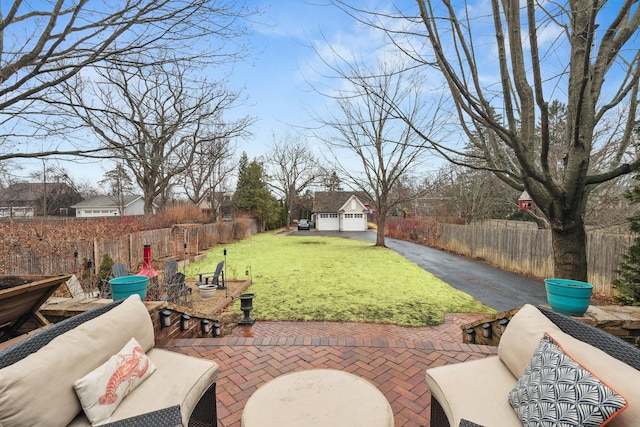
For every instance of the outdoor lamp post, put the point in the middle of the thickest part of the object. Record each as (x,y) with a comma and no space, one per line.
(205,326)
(184,322)
(471,335)
(165,318)
(486,330)
(503,325)
(217,329)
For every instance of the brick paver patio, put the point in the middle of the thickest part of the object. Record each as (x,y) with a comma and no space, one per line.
(393,358)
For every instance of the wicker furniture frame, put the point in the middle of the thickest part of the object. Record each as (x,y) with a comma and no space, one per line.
(203,415)
(610,344)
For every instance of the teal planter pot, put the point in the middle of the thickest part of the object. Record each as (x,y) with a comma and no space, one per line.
(568,297)
(124,286)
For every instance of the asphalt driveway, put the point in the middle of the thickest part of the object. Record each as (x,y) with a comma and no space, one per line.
(499,289)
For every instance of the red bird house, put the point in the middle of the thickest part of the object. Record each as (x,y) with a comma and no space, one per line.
(524,202)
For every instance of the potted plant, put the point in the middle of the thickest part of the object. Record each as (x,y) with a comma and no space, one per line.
(569,297)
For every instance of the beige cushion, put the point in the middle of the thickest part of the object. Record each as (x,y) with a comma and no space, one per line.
(45,379)
(555,389)
(101,390)
(476,390)
(522,336)
(618,375)
(179,380)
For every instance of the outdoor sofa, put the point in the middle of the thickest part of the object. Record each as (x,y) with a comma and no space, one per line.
(37,375)
(479,392)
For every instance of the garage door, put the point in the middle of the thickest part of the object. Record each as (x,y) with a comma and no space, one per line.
(328,222)
(353,222)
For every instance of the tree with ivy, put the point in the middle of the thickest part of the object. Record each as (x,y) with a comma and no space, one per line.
(253,196)
(628,281)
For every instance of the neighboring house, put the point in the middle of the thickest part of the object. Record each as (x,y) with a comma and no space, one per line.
(101,206)
(340,210)
(28,199)
(221,202)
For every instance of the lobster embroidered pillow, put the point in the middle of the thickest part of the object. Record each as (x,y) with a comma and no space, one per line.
(101,390)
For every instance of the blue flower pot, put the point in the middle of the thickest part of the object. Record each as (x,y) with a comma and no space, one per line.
(568,297)
(124,286)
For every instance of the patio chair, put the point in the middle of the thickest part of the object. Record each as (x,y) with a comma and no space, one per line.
(170,272)
(215,276)
(178,292)
(74,287)
(172,287)
(119,270)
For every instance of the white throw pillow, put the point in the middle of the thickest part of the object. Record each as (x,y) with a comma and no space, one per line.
(101,390)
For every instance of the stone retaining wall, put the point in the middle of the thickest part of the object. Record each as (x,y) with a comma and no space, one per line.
(621,321)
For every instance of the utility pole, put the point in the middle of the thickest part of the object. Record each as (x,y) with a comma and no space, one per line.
(44,188)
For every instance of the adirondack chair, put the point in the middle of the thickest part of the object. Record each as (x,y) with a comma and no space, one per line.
(170,272)
(215,277)
(119,270)
(173,287)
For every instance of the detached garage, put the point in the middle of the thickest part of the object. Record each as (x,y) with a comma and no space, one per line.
(339,211)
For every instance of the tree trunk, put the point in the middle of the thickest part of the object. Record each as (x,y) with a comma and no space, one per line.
(569,251)
(148,204)
(380,223)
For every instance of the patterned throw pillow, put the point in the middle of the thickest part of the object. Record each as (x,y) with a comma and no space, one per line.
(555,390)
(101,390)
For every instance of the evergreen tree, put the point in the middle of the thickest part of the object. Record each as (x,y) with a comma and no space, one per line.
(628,282)
(252,194)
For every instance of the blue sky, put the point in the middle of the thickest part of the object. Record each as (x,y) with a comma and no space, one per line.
(286,68)
(277,78)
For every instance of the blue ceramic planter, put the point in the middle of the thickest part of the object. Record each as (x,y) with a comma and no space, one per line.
(568,297)
(124,286)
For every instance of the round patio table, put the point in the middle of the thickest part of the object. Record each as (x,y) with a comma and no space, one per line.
(317,397)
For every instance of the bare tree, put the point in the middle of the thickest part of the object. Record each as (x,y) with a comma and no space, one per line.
(212,167)
(366,125)
(581,51)
(120,184)
(8,170)
(292,168)
(45,43)
(154,119)
(476,194)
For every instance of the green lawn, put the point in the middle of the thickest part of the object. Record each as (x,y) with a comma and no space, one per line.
(335,279)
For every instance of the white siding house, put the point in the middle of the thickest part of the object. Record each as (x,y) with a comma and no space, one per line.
(101,206)
(339,211)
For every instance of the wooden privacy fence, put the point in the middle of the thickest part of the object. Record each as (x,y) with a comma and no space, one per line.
(528,251)
(179,242)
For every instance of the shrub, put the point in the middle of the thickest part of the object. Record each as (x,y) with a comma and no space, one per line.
(104,271)
(628,282)
(179,214)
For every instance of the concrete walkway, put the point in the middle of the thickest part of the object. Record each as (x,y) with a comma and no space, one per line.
(392,358)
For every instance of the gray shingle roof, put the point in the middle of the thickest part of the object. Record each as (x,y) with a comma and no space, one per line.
(23,192)
(105,202)
(332,201)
